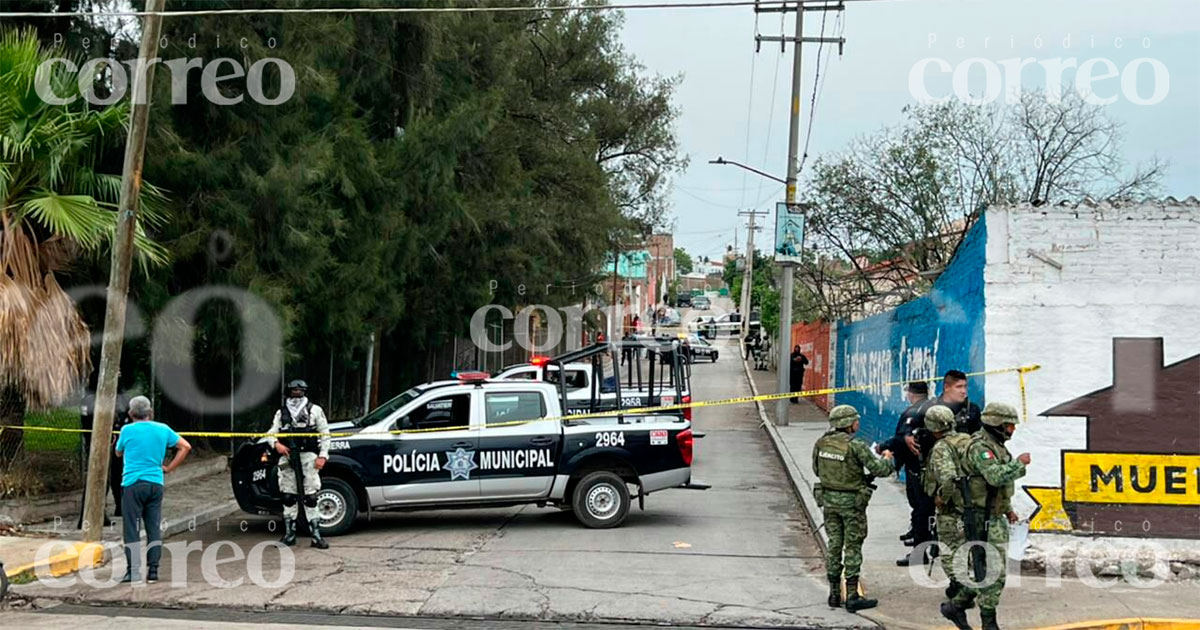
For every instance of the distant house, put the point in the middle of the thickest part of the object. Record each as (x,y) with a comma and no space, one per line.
(710,268)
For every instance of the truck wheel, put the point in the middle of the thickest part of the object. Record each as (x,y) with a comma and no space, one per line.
(338,506)
(601,500)
(714,357)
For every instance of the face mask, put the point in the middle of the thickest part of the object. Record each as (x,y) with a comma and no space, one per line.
(997,432)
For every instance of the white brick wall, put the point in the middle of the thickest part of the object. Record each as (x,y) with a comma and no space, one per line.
(1127,270)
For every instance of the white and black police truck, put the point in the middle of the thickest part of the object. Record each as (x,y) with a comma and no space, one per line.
(478,442)
(653,371)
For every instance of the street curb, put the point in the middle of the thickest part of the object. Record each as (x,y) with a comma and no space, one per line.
(80,555)
(202,517)
(808,502)
(1130,623)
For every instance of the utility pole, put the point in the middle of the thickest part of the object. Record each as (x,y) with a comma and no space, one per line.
(118,281)
(785,315)
(748,277)
(613,311)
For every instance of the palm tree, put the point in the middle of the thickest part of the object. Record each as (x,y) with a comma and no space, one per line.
(54,207)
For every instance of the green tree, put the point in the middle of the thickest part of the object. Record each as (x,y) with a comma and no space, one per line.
(424,167)
(54,206)
(890,210)
(683,261)
(764,295)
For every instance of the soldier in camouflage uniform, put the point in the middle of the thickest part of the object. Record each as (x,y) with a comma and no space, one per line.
(991,471)
(838,460)
(942,474)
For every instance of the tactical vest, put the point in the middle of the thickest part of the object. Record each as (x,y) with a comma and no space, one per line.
(303,424)
(836,465)
(978,486)
(958,444)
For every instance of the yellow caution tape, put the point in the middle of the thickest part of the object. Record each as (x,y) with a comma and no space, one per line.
(700,404)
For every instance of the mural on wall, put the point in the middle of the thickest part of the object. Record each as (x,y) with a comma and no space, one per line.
(1139,474)
(920,339)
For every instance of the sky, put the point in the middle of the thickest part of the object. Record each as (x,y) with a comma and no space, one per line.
(733,102)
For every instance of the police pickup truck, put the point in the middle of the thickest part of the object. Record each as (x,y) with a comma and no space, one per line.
(663,378)
(478,442)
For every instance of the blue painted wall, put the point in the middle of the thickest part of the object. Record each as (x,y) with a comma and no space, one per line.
(918,339)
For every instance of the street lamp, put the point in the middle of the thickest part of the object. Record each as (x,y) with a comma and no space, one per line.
(722,161)
(746,288)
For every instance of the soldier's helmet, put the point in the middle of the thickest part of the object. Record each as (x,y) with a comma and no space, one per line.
(298,384)
(842,416)
(939,418)
(997,414)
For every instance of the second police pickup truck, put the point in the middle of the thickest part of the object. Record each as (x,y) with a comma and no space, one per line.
(478,442)
(660,376)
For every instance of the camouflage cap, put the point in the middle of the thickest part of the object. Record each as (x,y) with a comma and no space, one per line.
(842,416)
(996,414)
(939,418)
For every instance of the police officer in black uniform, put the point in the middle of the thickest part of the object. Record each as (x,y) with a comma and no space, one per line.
(116,465)
(907,448)
(302,457)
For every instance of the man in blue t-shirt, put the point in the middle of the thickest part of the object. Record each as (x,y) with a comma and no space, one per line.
(143,445)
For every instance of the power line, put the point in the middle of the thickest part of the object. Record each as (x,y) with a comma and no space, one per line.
(577,8)
(749,111)
(818,85)
(770,110)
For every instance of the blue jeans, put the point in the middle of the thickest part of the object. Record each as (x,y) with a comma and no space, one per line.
(142,501)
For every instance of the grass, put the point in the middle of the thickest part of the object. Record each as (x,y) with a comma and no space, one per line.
(46,441)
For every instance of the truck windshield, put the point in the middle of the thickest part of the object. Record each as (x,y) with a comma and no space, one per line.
(386,409)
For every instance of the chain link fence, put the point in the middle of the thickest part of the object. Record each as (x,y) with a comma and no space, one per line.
(37,463)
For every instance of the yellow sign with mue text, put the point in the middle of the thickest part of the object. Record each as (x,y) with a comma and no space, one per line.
(1131,478)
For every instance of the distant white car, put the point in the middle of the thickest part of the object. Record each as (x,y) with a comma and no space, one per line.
(728,324)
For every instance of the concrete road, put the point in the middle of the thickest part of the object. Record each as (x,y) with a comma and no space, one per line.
(738,554)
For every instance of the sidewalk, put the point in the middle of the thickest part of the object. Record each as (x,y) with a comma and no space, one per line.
(1029,601)
(198,493)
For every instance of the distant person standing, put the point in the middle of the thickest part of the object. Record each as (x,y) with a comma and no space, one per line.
(799,362)
(87,412)
(143,446)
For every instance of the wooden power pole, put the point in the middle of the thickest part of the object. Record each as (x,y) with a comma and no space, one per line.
(118,280)
(785,299)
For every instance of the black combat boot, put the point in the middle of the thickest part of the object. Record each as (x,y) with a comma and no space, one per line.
(988,615)
(955,589)
(835,592)
(957,615)
(289,532)
(317,541)
(855,602)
